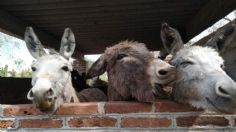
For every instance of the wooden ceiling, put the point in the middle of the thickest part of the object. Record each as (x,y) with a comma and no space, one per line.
(100,23)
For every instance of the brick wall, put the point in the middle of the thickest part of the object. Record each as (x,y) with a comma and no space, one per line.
(115,116)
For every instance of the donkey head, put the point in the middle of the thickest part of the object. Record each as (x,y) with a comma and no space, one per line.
(130,68)
(51,78)
(202,81)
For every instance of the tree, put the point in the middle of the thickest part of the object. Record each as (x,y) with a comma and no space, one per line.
(13,73)
(26,73)
(4,71)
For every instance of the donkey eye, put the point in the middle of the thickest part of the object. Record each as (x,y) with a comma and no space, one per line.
(222,66)
(65,68)
(121,56)
(186,63)
(33,68)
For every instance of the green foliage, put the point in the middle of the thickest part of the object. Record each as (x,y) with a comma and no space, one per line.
(13,73)
(26,73)
(18,61)
(3,71)
(23,73)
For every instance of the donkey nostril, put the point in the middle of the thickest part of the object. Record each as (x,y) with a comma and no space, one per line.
(50,92)
(162,72)
(223,91)
(49,99)
(30,95)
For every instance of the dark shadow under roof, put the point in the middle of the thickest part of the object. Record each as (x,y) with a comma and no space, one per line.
(98,24)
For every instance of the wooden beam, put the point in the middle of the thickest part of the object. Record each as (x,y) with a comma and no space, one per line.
(203,40)
(16,27)
(208,15)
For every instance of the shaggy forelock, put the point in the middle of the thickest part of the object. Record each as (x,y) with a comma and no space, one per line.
(128,77)
(128,45)
(205,54)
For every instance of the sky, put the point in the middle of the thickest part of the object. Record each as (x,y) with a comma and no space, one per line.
(12,50)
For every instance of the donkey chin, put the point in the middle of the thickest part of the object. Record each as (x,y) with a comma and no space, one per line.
(223,105)
(46,104)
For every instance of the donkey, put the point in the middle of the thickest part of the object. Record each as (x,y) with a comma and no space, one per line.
(51,78)
(171,40)
(201,81)
(133,73)
(96,82)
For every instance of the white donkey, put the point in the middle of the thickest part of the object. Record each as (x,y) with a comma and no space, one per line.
(51,79)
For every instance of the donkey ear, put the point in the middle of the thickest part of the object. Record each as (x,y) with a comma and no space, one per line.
(98,68)
(218,41)
(162,55)
(212,44)
(33,44)
(67,43)
(171,39)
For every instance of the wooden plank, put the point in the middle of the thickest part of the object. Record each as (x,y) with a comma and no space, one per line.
(113,15)
(203,40)
(23,2)
(163,8)
(14,90)
(111,20)
(94,4)
(156,22)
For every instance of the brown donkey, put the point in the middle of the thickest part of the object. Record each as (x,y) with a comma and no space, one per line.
(133,72)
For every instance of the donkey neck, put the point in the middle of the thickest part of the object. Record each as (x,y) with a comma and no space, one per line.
(70,94)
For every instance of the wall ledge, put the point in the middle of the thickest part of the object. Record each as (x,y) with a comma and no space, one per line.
(161,115)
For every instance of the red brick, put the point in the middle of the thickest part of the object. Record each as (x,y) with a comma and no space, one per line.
(78,108)
(21,110)
(41,123)
(170,106)
(145,122)
(127,107)
(201,121)
(6,123)
(92,122)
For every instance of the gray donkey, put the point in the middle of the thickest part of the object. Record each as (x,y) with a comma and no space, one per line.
(51,77)
(133,72)
(202,81)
